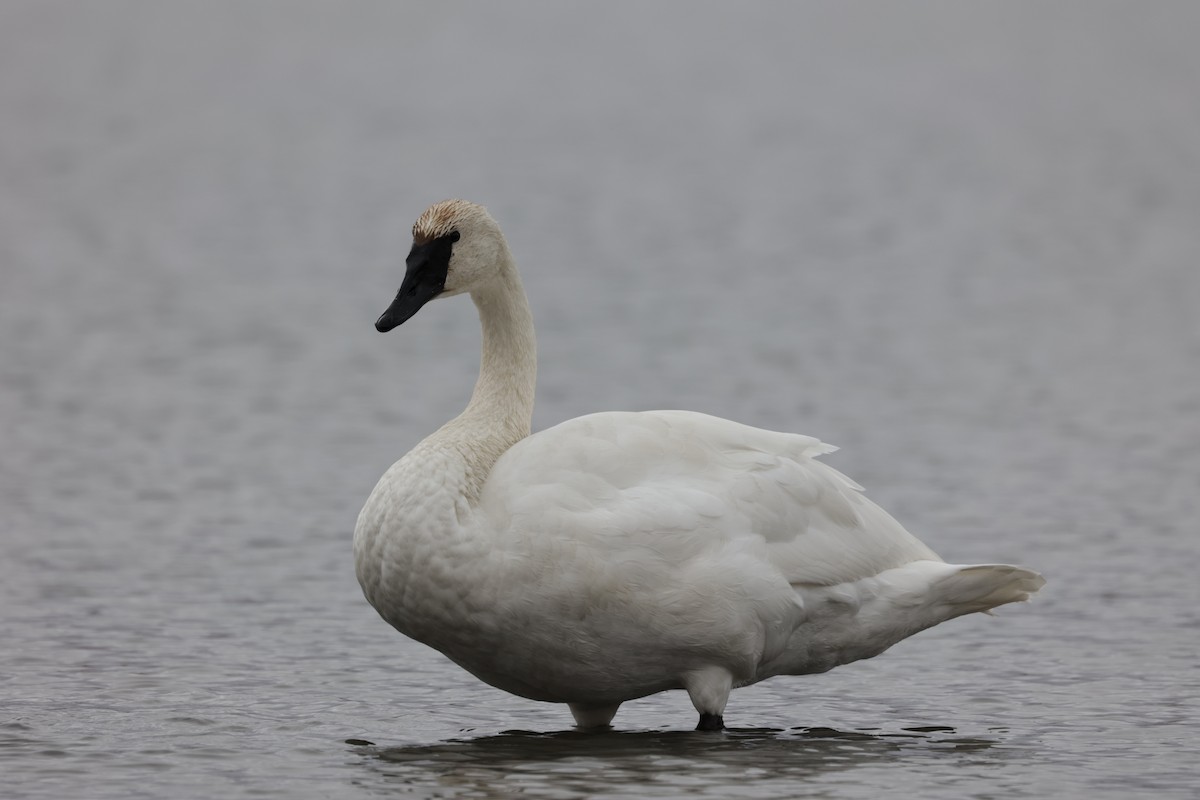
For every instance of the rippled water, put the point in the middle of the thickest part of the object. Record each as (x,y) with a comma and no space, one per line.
(959,241)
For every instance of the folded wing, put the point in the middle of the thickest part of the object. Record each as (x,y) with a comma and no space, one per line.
(672,486)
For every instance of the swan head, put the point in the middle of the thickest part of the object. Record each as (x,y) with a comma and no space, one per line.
(457,247)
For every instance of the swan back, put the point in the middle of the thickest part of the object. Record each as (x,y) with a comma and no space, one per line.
(673,485)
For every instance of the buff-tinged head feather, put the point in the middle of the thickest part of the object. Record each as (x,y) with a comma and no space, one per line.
(442,218)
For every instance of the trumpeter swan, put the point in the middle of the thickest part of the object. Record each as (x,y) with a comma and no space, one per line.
(621,554)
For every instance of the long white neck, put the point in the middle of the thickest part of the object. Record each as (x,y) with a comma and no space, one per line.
(501,409)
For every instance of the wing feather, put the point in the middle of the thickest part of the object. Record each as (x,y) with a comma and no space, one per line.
(675,485)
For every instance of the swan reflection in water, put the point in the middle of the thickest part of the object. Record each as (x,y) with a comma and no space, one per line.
(746,761)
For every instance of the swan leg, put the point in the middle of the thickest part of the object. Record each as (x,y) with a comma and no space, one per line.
(590,716)
(709,690)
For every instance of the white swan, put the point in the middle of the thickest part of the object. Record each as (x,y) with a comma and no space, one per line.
(621,554)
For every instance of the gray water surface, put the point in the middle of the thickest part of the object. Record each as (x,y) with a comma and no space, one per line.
(960,241)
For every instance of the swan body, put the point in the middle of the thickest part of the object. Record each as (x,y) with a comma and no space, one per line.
(621,554)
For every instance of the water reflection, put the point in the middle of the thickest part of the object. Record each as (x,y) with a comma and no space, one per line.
(752,762)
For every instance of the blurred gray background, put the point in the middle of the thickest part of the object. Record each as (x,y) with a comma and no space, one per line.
(959,240)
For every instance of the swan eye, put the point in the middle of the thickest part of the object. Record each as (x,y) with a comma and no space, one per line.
(454,236)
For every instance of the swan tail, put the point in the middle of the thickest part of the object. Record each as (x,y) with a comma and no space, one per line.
(982,587)
(866,617)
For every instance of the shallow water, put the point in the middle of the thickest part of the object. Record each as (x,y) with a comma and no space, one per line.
(959,242)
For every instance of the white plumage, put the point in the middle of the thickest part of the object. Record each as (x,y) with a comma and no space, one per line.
(621,554)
